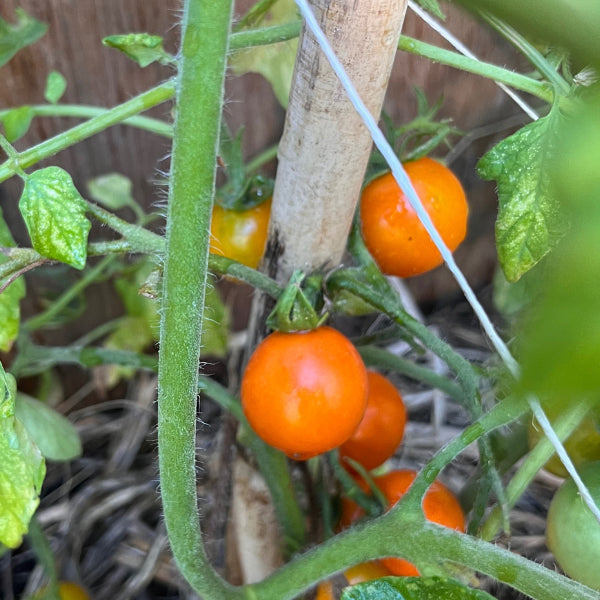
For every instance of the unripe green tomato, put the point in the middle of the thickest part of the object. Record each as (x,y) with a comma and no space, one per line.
(572,531)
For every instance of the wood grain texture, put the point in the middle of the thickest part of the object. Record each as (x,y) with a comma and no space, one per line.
(104,77)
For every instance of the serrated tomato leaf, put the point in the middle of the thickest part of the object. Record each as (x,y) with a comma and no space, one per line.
(54,213)
(17,122)
(27,30)
(141,47)
(10,312)
(529,223)
(53,434)
(22,469)
(413,588)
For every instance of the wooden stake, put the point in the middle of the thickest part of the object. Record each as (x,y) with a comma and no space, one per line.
(325,147)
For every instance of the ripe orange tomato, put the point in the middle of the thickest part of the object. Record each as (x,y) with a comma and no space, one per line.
(305,393)
(439,505)
(240,234)
(366,572)
(382,426)
(325,591)
(392,231)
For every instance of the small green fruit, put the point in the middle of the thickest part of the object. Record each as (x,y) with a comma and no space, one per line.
(572,532)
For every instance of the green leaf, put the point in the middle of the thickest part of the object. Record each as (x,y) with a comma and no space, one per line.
(56,85)
(433,7)
(560,334)
(54,435)
(22,469)
(26,31)
(413,588)
(10,312)
(275,62)
(112,190)
(54,213)
(529,223)
(17,122)
(141,47)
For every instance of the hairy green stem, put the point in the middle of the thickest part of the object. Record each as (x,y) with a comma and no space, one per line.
(42,319)
(83,111)
(265,35)
(199,96)
(453,59)
(80,132)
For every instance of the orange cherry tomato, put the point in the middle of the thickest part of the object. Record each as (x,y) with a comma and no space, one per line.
(366,572)
(305,393)
(325,591)
(392,231)
(440,506)
(382,426)
(240,234)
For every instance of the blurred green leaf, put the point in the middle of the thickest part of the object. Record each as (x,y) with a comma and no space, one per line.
(56,85)
(54,213)
(433,7)
(529,222)
(54,434)
(10,311)
(27,30)
(275,62)
(571,24)
(560,346)
(17,122)
(22,469)
(141,47)
(112,190)
(413,588)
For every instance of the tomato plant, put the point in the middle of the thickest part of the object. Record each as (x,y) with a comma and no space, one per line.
(392,231)
(382,426)
(305,393)
(573,533)
(240,234)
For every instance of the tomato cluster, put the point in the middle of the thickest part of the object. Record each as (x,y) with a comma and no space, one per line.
(306,393)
